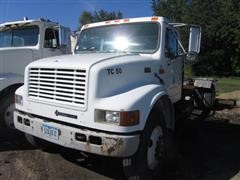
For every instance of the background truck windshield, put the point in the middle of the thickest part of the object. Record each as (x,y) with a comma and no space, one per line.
(18,37)
(132,38)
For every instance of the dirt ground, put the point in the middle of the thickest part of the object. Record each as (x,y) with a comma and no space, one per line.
(235,95)
(208,149)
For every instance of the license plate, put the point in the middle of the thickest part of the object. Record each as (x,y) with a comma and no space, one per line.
(50,131)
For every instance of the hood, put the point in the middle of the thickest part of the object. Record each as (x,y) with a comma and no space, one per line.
(77,60)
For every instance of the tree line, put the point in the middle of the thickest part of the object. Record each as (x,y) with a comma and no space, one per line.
(98,16)
(220,22)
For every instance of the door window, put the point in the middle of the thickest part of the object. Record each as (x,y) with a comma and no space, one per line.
(51,39)
(171,44)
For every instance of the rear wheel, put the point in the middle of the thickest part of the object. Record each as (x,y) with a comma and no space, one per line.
(7,108)
(205,100)
(152,153)
(209,97)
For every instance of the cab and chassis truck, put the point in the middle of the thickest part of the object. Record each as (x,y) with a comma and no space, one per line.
(118,95)
(22,42)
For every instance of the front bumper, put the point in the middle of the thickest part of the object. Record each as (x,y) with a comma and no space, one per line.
(91,141)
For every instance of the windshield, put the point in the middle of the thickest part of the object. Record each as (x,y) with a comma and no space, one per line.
(19,37)
(132,38)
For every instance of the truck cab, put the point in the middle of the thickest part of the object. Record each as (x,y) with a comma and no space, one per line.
(114,96)
(22,42)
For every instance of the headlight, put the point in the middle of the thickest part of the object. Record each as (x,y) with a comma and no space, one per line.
(112,117)
(121,118)
(19,100)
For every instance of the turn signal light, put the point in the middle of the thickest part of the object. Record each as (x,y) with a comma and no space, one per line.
(129,118)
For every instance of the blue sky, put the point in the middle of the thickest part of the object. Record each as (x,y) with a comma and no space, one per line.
(67,12)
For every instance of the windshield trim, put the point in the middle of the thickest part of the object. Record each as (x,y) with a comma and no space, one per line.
(128,52)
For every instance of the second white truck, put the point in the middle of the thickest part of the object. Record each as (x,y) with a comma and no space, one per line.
(22,42)
(119,95)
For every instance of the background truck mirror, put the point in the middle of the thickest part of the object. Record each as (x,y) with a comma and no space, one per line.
(64,33)
(194,39)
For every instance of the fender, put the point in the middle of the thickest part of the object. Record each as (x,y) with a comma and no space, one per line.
(142,98)
(162,104)
(9,79)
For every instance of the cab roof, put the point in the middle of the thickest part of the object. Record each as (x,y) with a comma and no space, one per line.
(123,21)
(26,22)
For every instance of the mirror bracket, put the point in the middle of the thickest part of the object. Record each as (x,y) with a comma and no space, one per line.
(191,57)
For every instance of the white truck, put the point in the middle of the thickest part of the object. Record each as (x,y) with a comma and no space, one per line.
(22,42)
(118,95)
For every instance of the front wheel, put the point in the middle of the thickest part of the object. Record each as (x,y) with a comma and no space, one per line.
(7,108)
(152,153)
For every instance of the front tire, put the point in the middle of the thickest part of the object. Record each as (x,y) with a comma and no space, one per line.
(7,108)
(152,153)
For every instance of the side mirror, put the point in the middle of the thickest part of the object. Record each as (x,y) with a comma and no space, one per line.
(194,39)
(64,36)
(191,57)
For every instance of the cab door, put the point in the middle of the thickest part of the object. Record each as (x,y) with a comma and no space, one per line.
(174,61)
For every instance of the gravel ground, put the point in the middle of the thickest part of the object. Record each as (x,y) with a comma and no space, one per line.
(208,149)
(19,160)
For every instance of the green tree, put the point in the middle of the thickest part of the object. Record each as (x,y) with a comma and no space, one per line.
(104,15)
(85,18)
(98,16)
(174,10)
(221,36)
(220,22)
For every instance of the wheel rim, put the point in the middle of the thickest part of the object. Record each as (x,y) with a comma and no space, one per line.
(155,147)
(8,115)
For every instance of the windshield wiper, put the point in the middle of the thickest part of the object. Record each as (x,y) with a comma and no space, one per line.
(118,51)
(85,49)
(90,48)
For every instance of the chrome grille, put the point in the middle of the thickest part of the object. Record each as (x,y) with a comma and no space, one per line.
(62,85)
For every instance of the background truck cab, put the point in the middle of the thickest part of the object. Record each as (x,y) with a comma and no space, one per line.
(22,42)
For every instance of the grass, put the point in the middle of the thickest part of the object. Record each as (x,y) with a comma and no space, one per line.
(227,84)
(224,84)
